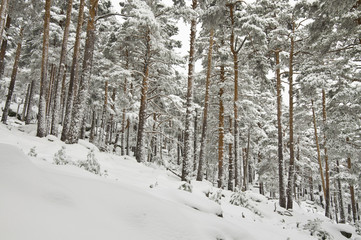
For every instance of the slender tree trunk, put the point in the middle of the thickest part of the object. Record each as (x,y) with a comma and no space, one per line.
(82,96)
(340,195)
(245,163)
(3,10)
(352,189)
(205,109)
(140,151)
(73,75)
(234,52)
(128,137)
(311,185)
(63,96)
(195,140)
(4,45)
(13,78)
(281,186)
(221,130)
(327,195)
(61,72)
(104,114)
(230,160)
(31,103)
(41,131)
(23,115)
(318,151)
(92,130)
(187,134)
(291,169)
(122,136)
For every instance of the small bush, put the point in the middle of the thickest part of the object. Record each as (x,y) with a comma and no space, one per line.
(32,152)
(60,157)
(216,196)
(239,198)
(186,187)
(314,226)
(90,164)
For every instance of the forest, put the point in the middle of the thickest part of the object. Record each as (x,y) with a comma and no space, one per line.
(268,93)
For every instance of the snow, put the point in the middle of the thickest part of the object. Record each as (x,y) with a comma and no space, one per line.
(41,200)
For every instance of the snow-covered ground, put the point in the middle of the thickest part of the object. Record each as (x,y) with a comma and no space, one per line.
(41,200)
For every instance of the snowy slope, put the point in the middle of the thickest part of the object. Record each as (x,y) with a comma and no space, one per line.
(40,200)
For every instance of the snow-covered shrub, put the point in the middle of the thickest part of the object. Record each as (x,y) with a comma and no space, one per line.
(186,187)
(314,226)
(216,196)
(60,157)
(32,152)
(90,164)
(239,198)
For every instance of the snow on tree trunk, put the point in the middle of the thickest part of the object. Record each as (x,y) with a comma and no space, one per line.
(73,75)
(61,72)
(3,10)
(82,96)
(205,108)
(281,182)
(186,168)
(327,172)
(221,130)
(140,150)
(41,131)
(4,45)
(291,169)
(13,78)
(31,103)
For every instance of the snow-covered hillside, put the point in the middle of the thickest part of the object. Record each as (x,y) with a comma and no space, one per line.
(41,200)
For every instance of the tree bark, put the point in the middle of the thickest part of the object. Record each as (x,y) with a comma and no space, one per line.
(281,186)
(235,97)
(230,160)
(221,129)
(340,195)
(140,151)
(4,45)
(352,189)
(187,133)
(318,151)
(61,72)
(82,96)
(41,131)
(291,169)
(23,115)
(31,103)
(13,78)
(327,195)
(205,109)
(195,140)
(73,75)
(3,10)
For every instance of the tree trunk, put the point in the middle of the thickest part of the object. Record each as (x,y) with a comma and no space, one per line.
(82,96)
(340,195)
(205,109)
(63,96)
(187,134)
(140,151)
(23,115)
(245,163)
(31,103)
(122,136)
(73,75)
(128,136)
(4,45)
(327,195)
(230,160)
(281,182)
(352,190)
(13,78)
(3,10)
(61,72)
(291,169)
(318,150)
(92,130)
(41,131)
(195,140)
(221,130)
(234,52)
